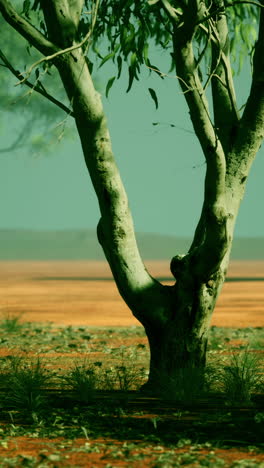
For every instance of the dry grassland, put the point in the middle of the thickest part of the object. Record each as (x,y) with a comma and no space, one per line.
(82,292)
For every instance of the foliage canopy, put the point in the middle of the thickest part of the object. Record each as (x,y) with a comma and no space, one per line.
(129,33)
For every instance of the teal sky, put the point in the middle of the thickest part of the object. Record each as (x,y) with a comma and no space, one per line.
(162,168)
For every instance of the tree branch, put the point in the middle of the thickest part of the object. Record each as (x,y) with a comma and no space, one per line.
(224,100)
(214,196)
(192,12)
(250,132)
(26,29)
(173,14)
(144,295)
(38,87)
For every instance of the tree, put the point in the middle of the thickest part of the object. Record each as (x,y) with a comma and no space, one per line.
(199,37)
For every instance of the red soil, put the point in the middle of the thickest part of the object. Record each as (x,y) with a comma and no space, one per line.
(74,453)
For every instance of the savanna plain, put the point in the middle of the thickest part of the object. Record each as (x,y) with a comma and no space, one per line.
(73,359)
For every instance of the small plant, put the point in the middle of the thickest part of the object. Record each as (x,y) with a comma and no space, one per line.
(26,381)
(10,323)
(242,377)
(129,377)
(107,379)
(82,382)
(123,376)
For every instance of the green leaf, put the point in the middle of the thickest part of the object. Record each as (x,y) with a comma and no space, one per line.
(36,5)
(109,85)
(96,50)
(133,60)
(26,7)
(119,65)
(131,74)
(145,52)
(42,25)
(109,56)
(106,58)
(129,40)
(154,97)
(90,67)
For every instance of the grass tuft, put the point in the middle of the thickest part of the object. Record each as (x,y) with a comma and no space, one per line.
(242,378)
(123,375)
(82,382)
(11,323)
(25,381)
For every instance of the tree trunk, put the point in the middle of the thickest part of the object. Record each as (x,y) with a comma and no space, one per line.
(178,347)
(174,359)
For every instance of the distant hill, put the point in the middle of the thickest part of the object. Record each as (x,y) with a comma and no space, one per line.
(83,245)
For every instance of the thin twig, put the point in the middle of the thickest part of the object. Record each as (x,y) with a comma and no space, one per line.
(174,76)
(219,79)
(213,29)
(38,87)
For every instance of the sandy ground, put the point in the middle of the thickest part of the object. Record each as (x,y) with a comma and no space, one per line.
(82,293)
